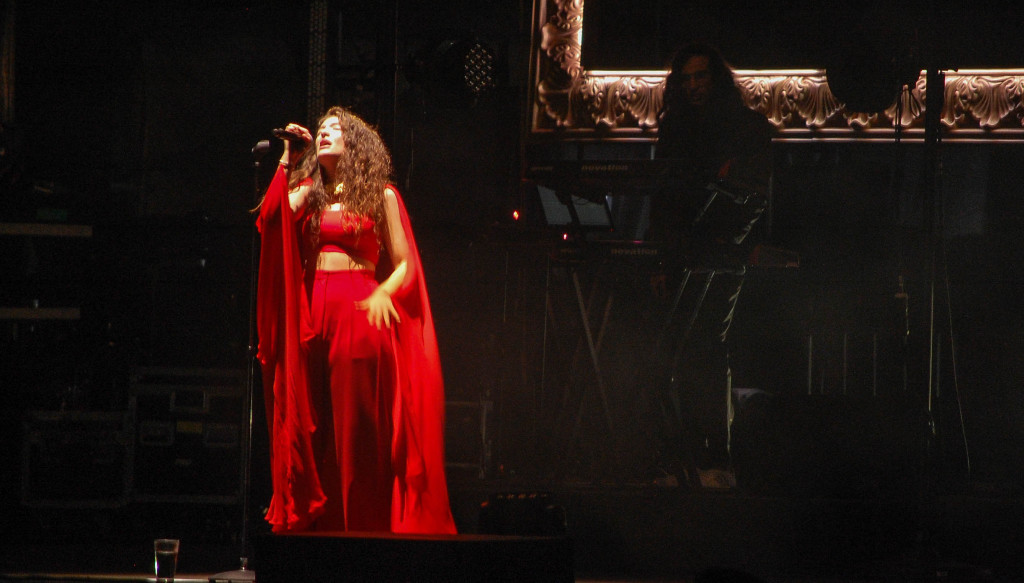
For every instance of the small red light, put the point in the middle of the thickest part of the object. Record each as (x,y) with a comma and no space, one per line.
(515,215)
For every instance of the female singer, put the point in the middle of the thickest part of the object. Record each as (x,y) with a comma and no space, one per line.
(352,379)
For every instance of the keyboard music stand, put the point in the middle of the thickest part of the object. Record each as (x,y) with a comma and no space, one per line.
(577,217)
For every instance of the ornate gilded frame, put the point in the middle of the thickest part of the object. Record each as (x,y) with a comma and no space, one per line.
(569,102)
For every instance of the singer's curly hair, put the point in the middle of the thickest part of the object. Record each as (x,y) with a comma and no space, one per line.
(364,167)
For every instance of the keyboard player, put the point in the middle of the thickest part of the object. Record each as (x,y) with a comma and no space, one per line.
(706,217)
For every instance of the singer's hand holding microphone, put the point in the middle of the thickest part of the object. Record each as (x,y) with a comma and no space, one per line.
(296,140)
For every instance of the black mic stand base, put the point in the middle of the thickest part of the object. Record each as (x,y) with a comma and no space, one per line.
(237,576)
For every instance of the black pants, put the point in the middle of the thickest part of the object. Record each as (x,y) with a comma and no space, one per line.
(690,366)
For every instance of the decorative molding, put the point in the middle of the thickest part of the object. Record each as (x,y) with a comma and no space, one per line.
(572,103)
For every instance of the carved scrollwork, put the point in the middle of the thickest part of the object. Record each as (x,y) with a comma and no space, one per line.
(909,107)
(979,105)
(612,101)
(790,99)
(989,99)
(641,97)
(560,36)
(559,69)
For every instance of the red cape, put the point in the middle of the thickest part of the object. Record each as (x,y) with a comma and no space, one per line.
(420,493)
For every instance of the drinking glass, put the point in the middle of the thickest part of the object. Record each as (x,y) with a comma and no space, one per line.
(165,559)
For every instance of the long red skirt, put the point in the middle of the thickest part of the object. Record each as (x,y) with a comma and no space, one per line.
(353,387)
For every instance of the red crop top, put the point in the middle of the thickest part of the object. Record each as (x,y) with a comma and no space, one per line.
(349,233)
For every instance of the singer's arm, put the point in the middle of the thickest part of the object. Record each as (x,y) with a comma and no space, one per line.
(297,197)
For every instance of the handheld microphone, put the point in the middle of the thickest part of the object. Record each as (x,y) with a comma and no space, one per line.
(260,149)
(283,134)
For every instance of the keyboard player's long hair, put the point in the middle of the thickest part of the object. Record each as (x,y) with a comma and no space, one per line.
(724,93)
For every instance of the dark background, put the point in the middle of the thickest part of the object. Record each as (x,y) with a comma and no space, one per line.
(797,34)
(139,119)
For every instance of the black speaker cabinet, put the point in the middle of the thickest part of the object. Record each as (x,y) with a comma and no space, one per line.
(188,435)
(522,513)
(467,440)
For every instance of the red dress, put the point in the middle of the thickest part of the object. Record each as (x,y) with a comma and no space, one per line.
(380,449)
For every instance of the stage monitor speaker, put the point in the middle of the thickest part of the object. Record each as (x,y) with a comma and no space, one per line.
(330,557)
(522,513)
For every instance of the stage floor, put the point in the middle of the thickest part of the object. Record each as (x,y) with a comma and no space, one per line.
(619,533)
(942,574)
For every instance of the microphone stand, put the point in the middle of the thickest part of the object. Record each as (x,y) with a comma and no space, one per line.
(243,573)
